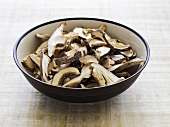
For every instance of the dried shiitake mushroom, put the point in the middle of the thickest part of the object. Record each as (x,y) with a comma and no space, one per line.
(82,58)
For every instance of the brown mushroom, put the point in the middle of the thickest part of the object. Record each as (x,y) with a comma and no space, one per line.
(42,46)
(44,67)
(83,33)
(88,59)
(56,40)
(97,43)
(123,74)
(127,53)
(43,36)
(85,73)
(107,62)
(36,59)
(28,64)
(71,56)
(111,42)
(103,50)
(59,78)
(118,58)
(103,76)
(119,67)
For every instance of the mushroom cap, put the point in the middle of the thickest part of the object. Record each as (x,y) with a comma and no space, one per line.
(64,73)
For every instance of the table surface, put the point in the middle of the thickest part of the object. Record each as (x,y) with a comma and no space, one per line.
(145,104)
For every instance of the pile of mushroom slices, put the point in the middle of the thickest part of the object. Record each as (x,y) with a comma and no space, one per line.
(82,58)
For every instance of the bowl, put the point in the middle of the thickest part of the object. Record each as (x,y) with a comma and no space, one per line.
(26,45)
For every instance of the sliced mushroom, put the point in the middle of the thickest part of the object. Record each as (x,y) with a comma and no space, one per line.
(118,58)
(36,59)
(84,33)
(113,43)
(117,45)
(56,40)
(128,53)
(71,56)
(44,67)
(123,74)
(88,59)
(59,78)
(97,43)
(28,64)
(85,73)
(103,50)
(102,27)
(96,53)
(82,86)
(107,62)
(43,36)
(92,85)
(103,76)
(37,73)
(119,67)
(134,54)
(42,46)
(57,68)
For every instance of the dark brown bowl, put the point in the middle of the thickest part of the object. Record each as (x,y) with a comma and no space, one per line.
(26,45)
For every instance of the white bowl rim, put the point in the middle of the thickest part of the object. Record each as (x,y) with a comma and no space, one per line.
(81,18)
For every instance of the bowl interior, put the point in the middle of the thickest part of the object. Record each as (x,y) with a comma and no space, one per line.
(29,42)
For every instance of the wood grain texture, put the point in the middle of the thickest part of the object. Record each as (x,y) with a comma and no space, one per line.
(145,104)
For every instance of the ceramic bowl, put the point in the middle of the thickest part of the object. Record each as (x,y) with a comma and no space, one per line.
(28,43)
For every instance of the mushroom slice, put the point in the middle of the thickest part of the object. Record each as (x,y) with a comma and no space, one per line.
(36,59)
(128,53)
(107,62)
(92,85)
(102,27)
(103,50)
(84,33)
(88,59)
(59,78)
(70,34)
(113,43)
(43,36)
(28,64)
(119,67)
(82,86)
(117,45)
(123,74)
(44,67)
(118,58)
(134,54)
(97,43)
(71,56)
(37,73)
(57,68)
(85,73)
(56,40)
(42,46)
(96,53)
(103,76)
